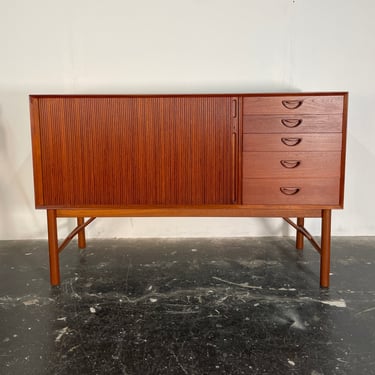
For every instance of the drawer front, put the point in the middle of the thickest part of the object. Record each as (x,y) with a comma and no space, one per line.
(293,104)
(291,191)
(292,124)
(291,164)
(292,142)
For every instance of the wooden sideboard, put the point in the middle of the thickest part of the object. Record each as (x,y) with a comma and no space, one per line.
(243,155)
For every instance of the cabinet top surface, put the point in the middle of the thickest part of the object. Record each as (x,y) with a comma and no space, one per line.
(326,93)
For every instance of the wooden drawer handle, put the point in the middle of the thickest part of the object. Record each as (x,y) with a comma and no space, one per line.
(290,190)
(291,141)
(292,104)
(291,123)
(290,164)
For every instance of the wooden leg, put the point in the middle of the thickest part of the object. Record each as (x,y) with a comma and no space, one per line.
(81,233)
(300,236)
(53,247)
(325,249)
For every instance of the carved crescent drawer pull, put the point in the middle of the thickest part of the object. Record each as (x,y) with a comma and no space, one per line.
(290,190)
(292,104)
(291,141)
(290,163)
(291,123)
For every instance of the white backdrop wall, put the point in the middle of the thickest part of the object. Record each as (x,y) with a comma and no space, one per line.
(191,46)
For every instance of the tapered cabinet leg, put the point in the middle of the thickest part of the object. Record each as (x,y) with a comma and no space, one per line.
(299,236)
(53,247)
(81,233)
(325,255)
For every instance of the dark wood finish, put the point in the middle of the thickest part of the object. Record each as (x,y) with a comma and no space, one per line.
(235,155)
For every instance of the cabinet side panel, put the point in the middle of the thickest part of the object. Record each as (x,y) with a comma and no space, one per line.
(118,151)
(36,151)
(343,152)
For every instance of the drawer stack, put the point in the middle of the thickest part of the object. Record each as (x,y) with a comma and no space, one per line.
(292,149)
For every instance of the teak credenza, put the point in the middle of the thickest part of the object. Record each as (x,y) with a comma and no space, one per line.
(244,155)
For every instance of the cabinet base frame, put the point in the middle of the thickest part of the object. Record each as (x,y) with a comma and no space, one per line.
(324,248)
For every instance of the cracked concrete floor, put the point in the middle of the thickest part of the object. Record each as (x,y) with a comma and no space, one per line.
(188,306)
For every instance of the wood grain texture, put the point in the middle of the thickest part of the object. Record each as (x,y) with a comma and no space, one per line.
(292,142)
(37,149)
(118,151)
(292,124)
(343,149)
(323,191)
(297,142)
(197,211)
(293,104)
(253,155)
(291,164)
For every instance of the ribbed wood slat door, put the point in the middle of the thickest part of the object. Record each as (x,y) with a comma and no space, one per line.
(126,150)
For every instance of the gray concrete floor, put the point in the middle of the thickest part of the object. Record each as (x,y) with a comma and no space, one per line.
(188,306)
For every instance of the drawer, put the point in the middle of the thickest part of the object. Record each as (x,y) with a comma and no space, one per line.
(301,191)
(293,104)
(292,142)
(289,124)
(291,164)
